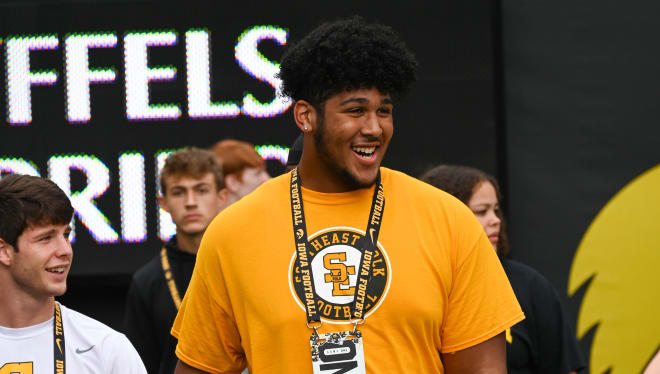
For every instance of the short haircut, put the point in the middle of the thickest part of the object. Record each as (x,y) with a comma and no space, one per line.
(194,163)
(28,201)
(461,181)
(237,155)
(347,55)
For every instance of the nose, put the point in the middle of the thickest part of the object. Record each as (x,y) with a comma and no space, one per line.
(493,219)
(64,248)
(371,126)
(191,199)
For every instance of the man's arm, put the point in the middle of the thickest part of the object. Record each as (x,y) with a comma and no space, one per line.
(488,357)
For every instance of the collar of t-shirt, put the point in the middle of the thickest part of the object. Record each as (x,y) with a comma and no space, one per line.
(177,254)
(27,332)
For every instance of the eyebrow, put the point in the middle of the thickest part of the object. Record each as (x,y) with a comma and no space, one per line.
(362,100)
(44,234)
(197,185)
(485,205)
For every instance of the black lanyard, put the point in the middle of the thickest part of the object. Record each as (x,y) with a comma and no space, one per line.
(58,340)
(368,249)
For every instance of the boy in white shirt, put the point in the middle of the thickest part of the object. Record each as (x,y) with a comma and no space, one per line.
(37,334)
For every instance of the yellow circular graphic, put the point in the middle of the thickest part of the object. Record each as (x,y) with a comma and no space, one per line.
(334,262)
(619,258)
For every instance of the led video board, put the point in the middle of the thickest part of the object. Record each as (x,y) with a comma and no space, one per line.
(98,93)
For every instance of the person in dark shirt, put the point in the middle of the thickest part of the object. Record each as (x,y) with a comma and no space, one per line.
(193,193)
(542,342)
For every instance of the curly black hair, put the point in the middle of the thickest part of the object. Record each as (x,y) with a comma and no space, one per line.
(348,54)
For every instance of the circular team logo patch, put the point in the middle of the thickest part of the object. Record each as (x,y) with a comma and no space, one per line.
(334,261)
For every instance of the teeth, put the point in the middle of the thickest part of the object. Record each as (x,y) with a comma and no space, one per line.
(366,151)
(58,270)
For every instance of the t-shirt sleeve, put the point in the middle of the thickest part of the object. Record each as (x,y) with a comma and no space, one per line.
(121,357)
(208,338)
(481,303)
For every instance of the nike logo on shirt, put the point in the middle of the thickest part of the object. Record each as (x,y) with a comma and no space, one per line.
(78,350)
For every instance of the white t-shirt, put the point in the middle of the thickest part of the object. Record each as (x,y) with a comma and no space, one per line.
(90,347)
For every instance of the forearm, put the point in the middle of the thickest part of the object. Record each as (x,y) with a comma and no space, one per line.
(488,357)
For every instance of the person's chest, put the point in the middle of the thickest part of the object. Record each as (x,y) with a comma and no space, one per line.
(409,273)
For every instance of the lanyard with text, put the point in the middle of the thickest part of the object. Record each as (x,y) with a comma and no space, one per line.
(368,249)
(58,340)
(165,263)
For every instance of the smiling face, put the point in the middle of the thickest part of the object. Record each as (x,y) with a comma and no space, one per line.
(191,202)
(350,138)
(485,206)
(40,266)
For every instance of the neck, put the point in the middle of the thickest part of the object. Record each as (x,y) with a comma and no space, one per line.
(188,243)
(319,179)
(22,310)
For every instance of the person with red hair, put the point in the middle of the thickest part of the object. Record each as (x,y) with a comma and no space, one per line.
(243,167)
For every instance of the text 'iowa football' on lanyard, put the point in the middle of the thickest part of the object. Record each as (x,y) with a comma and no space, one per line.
(58,341)
(369,247)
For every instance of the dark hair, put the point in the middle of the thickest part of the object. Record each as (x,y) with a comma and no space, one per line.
(27,201)
(346,55)
(461,181)
(194,163)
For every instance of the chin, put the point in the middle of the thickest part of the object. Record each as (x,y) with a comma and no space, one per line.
(194,228)
(362,181)
(58,291)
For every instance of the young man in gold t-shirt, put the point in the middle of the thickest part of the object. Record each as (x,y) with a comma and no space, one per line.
(344,266)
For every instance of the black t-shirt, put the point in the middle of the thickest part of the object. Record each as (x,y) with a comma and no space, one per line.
(542,342)
(150,310)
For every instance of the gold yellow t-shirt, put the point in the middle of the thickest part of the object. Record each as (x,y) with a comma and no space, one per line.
(437,285)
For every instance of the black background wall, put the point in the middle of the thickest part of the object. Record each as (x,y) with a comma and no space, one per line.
(448,117)
(581,114)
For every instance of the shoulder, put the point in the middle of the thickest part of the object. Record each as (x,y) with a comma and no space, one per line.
(400,185)
(528,282)
(79,322)
(149,272)
(400,180)
(439,207)
(86,331)
(524,273)
(104,345)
